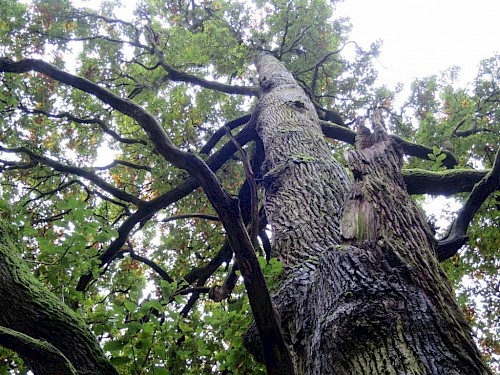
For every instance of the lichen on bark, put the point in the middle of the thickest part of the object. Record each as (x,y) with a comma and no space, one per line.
(367,299)
(28,308)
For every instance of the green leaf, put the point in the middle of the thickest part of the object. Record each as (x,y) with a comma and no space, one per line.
(441,157)
(134,327)
(160,371)
(129,305)
(119,361)
(114,345)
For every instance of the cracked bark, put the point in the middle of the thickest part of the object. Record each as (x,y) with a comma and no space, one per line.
(362,291)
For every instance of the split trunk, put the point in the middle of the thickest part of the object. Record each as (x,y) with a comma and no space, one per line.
(363,292)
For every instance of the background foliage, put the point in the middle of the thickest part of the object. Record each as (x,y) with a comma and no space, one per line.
(73,170)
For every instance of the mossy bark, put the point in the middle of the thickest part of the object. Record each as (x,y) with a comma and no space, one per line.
(363,292)
(28,308)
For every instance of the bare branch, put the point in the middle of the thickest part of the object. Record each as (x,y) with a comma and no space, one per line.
(471,131)
(176,75)
(222,131)
(457,234)
(96,37)
(99,122)
(120,194)
(254,197)
(320,63)
(219,293)
(157,268)
(191,216)
(124,163)
(186,291)
(105,19)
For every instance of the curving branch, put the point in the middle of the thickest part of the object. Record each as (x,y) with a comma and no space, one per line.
(457,234)
(104,128)
(323,60)
(9,165)
(178,76)
(253,227)
(50,193)
(221,132)
(65,168)
(191,216)
(471,131)
(68,116)
(124,163)
(111,21)
(89,192)
(155,266)
(200,275)
(224,255)
(413,149)
(286,28)
(136,43)
(193,290)
(31,350)
(219,293)
(150,208)
(294,45)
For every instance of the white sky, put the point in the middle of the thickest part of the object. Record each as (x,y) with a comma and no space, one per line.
(426,36)
(421,37)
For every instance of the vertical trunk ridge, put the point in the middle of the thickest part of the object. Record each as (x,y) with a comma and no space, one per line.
(363,292)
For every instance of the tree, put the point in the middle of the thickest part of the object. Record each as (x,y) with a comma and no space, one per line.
(145,246)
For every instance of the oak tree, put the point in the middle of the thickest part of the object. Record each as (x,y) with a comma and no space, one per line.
(186,182)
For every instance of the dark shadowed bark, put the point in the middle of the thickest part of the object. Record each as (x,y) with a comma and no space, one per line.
(47,334)
(363,292)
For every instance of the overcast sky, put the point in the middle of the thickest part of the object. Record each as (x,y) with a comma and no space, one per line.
(425,36)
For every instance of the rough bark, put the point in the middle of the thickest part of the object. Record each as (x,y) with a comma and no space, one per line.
(38,326)
(32,349)
(363,292)
(298,168)
(420,181)
(413,149)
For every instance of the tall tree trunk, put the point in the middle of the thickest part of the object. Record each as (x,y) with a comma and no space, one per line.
(46,333)
(363,292)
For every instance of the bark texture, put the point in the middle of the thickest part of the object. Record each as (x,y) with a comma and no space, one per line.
(304,185)
(305,188)
(363,292)
(47,334)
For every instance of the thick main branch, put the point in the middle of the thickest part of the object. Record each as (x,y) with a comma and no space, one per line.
(457,234)
(226,206)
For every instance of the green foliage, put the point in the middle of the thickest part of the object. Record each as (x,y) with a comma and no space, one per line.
(465,121)
(437,157)
(68,218)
